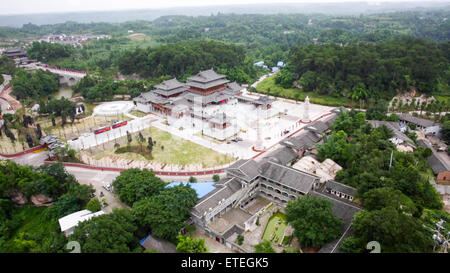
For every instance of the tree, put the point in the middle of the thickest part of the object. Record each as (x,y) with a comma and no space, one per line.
(445,131)
(352,245)
(192,179)
(150,143)
(129,140)
(333,147)
(7,65)
(394,230)
(108,233)
(65,205)
(29,141)
(191,245)
(34,85)
(264,247)
(94,205)
(141,140)
(38,131)
(216,178)
(134,184)
(240,239)
(313,221)
(46,52)
(379,198)
(166,212)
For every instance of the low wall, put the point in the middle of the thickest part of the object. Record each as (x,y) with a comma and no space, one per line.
(85,166)
(23,152)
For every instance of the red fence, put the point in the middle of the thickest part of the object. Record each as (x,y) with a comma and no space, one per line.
(85,166)
(23,152)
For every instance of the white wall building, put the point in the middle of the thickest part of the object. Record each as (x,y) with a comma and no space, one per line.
(69,222)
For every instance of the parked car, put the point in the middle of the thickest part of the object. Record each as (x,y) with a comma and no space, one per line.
(107,187)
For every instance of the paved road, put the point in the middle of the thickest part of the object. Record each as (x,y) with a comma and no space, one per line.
(97,179)
(32,159)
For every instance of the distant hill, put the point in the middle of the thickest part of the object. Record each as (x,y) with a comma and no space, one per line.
(355,8)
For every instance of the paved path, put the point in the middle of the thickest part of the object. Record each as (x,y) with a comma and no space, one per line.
(34,159)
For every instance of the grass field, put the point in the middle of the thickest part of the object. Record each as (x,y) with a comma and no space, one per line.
(275,228)
(169,149)
(138,114)
(269,87)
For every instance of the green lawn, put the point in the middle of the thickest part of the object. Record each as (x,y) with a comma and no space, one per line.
(138,114)
(176,151)
(269,87)
(275,228)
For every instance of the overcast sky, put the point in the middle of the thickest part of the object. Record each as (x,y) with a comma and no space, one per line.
(44,6)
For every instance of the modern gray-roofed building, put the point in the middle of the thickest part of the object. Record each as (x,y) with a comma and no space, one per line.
(302,142)
(318,127)
(427,125)
(436,162)
(338,189)
(222,214)
(160,245)
(398,137)
(245,169)
(282,183)
(282,156)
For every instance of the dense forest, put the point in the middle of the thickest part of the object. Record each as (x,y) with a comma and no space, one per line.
(362,71)
(348,58)
(187,58)
(34,85)
(101,89)
(265,37)
(35,229)
(44,52)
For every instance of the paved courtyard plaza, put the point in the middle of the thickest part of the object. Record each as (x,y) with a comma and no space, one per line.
(113,108)
(198,150)
(274,125)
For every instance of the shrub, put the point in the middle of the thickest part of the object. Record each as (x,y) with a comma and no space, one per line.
(94,205)
(192,179)
(240,239)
